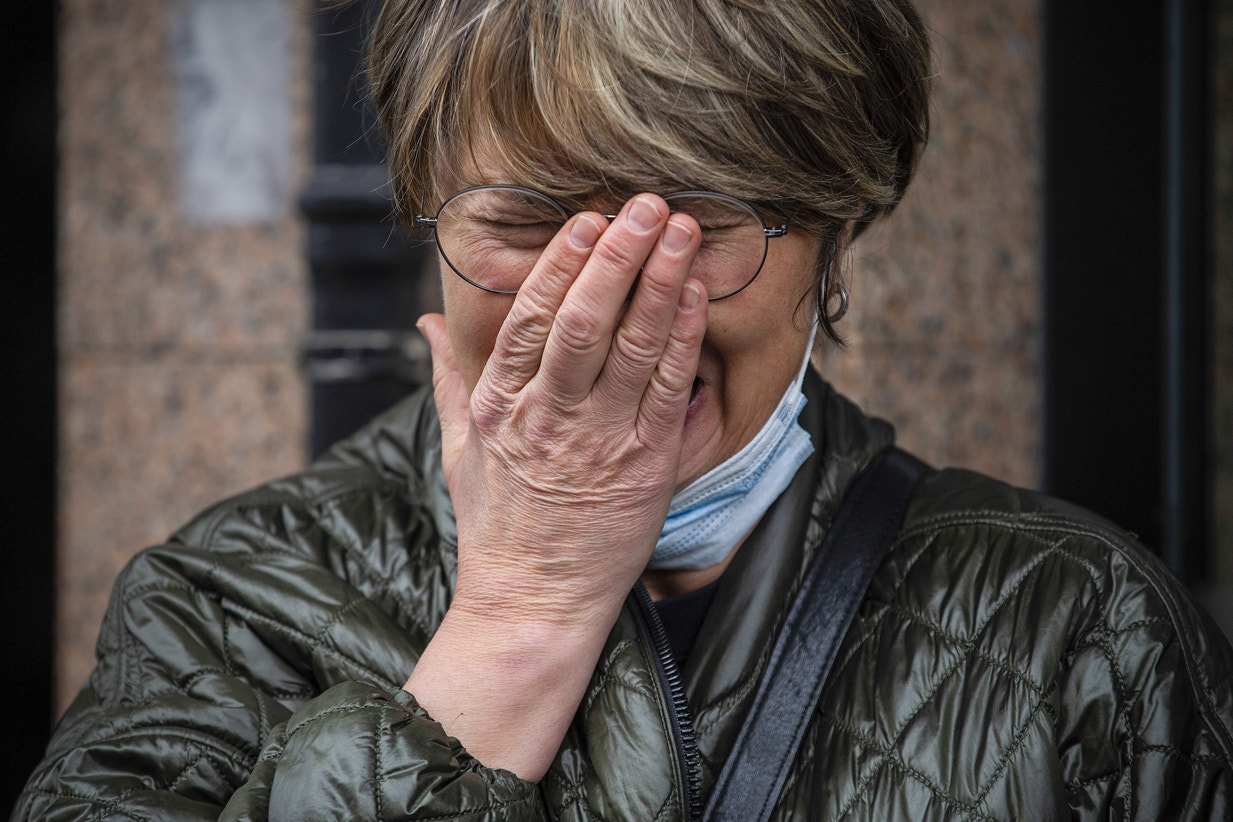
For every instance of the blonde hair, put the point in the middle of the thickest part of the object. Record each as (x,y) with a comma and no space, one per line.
(814,111)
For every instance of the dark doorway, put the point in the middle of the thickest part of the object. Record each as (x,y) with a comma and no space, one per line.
(370,280)
(28,452)
(1125,269)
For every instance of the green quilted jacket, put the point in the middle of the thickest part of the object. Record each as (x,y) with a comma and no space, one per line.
(1014,658)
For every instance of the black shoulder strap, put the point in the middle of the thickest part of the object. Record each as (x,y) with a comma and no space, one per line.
(833,588)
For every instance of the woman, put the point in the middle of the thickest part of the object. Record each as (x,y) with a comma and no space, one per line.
(435,621)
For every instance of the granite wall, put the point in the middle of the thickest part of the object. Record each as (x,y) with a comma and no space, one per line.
(178,326)
(944,326)
(180,308)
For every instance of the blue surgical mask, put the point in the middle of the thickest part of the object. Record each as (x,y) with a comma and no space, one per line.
(709,517)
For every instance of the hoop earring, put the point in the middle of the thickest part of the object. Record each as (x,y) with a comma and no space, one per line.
(838,314)
(843,305)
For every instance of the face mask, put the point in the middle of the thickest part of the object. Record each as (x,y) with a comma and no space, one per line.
(713,513)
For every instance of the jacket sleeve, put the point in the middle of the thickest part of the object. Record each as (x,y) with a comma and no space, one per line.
(1145,722)
(378,756)
(261,681)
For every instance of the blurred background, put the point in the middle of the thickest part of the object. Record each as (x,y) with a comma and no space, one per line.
(205,285)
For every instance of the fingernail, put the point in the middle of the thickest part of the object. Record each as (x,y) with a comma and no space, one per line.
(676,237)
(643,215)
(585,232)
(689,297)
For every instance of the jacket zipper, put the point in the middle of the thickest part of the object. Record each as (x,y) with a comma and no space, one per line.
(681,720)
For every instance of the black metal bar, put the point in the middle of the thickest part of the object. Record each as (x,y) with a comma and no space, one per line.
(28,449)
(345,128)
(1102,254)
(1185,339)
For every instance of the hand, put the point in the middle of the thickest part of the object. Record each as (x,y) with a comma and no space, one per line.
(562,461)
(561,464)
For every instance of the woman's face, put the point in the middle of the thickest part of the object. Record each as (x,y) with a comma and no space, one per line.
(755,343)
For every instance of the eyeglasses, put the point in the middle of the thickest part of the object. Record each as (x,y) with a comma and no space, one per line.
(492,236)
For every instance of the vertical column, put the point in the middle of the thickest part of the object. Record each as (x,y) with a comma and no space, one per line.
(1184,459)
(182,299)
(945,321)
(27,325)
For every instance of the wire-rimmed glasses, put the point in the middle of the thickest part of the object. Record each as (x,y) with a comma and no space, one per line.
(492,236)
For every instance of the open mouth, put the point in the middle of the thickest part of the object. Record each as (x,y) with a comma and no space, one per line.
(695,398)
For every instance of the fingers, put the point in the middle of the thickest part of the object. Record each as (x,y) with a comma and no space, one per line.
(519,347)
(582,336)
(667,393)
(598,310)
(644,330)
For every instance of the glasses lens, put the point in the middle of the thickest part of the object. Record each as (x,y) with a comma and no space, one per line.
(492,236)
(733,241)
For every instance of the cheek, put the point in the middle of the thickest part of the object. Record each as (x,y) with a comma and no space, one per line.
(770,313)
(474,318)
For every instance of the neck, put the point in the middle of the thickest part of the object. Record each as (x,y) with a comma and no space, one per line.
(662,583)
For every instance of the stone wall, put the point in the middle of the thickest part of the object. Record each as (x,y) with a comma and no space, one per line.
(179,312)
(944,327)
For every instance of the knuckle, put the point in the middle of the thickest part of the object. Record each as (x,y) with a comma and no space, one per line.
(557,271)
(486,412)
(673,376)
(661,283)
(577,330)
(638,349)
(622,253)
(525,330)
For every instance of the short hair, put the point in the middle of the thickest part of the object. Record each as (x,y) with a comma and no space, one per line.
(814,111)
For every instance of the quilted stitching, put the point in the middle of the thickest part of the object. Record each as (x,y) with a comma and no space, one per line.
(959,656)
(967,649)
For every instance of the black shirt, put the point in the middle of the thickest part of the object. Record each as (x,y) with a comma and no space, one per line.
(682,617)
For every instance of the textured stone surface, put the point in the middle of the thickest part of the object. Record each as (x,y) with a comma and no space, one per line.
(149,444)
(177,342)
(135,273)
(944,330)
(233,113)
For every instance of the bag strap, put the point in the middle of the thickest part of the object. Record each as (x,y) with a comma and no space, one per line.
(833,588)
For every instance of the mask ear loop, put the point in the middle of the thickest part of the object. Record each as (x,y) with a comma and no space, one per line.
(813,338)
